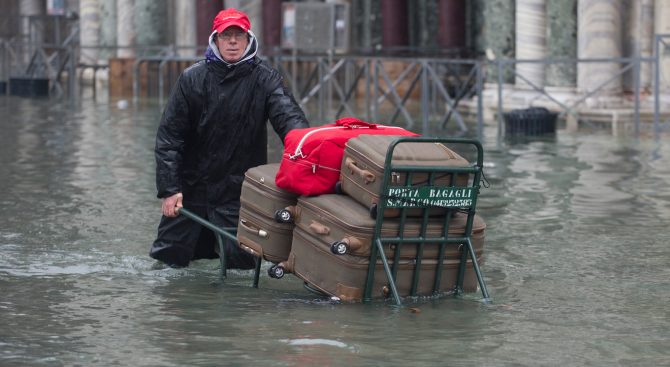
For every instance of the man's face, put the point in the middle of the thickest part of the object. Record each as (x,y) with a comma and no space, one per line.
(230,47)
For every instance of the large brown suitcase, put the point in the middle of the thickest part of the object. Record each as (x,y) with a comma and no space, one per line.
(258,231)
(362,169)
(339,219)
(324,220)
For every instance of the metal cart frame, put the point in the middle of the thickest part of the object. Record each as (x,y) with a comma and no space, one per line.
(422,196)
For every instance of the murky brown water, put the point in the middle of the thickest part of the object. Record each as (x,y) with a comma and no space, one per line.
(577,261)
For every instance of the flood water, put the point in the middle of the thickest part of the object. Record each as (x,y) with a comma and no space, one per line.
(577,261)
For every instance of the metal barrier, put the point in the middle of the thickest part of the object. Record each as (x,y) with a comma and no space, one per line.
(322,81)
(328,84)
(630,63)
(42,64)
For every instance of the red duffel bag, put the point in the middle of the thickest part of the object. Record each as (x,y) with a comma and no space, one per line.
(313,156)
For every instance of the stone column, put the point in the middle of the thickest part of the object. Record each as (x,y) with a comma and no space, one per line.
(394,23)
(452,22)
(186,34)
(599,36)
(422,23)
(31,7)
(107,38)
(89,30)
(476,32)
(662,26)
(151,25)
(531,31)
(499,20)
(125,27)
(368,22)
(206,10)
(638,39)
(561,42)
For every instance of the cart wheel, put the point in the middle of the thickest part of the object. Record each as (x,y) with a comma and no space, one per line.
(271,271)
(338,188)
(339,248)
(277,271)
(373,211)
(283,216)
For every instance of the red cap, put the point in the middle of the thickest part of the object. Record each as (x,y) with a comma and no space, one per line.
(229,17)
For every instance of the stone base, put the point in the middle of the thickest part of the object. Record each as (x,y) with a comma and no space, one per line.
(609,111)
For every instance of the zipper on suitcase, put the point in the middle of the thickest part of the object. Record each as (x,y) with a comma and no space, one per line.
(362,230)
(270,193)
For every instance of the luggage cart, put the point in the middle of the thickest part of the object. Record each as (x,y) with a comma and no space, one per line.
(422,195)
(458,198)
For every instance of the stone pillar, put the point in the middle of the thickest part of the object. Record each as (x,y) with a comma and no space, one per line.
(452,23)
(561,42)
(186,34)
(151,25)
(531,32)
(272,22)
(125,27)
(499,16)
(599,36)
(638,39)
(206,10)
(662,26)
(31,7)
(394,23)
(367,22)
(476,32)
(422,23)
(89,30)
(107,37)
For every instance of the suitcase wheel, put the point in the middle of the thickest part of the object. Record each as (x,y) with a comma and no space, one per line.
(283,216)
(276,271)
(339,248)
(338,188)
(373,211)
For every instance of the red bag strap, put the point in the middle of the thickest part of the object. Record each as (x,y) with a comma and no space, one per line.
(352,122)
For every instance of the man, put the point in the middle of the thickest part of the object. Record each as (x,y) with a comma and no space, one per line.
(214,129)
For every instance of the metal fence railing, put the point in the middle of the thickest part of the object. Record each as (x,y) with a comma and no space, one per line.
(628,64)
(381,89)
(326,86)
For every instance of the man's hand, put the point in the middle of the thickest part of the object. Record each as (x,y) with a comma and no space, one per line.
(170,203)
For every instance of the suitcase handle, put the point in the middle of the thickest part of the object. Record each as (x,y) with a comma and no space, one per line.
(250,246)
(319,228)
(258,232)
(354,243)
(366,175)
(352,123)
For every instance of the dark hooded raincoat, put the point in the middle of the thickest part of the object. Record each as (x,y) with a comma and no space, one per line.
(212,131)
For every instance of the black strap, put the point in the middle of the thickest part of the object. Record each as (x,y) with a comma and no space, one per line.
(484,181)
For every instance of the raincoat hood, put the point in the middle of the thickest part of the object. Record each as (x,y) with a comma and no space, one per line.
(213,54)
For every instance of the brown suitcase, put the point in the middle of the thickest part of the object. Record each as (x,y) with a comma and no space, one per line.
(258,231)
(337,219)
(313,256)
(362,169)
